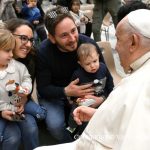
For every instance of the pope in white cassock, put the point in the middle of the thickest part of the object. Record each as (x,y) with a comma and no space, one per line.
(122,122)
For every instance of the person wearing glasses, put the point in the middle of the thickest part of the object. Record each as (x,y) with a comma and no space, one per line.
(14,81)
(57,60)
(27,131)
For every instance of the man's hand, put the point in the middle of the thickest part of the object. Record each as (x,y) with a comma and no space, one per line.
(8,115)
(78,90)
(83,113)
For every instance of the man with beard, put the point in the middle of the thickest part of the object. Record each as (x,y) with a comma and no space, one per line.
(57,60)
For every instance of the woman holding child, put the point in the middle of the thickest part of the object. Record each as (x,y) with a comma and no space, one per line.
(26,130)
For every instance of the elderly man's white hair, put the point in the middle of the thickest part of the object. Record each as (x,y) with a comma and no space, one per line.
(140,21)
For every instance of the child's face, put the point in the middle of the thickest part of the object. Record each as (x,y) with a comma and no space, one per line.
(91,63)
(32,2)
(5,57)
(75,7)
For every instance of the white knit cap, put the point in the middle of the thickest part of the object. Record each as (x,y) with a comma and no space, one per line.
(140,21)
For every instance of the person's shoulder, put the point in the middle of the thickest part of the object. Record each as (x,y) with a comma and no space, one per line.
(71,12)
(18,64)
(45,45)
(85,39)
(78,71)
(36,9)
(102,65)
(81,12)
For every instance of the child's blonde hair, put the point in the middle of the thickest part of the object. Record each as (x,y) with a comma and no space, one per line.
(85,50)
(7,40)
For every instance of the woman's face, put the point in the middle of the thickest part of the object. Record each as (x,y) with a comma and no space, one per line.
(24,41)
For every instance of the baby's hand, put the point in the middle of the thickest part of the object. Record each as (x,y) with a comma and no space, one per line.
(82,19)
(24,90)
(36,22)
(85,101)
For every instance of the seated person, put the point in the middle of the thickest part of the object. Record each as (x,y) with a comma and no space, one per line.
(93,71)
(57,60)
(14,82)
(32,13)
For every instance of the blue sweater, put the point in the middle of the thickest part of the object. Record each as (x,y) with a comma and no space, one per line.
(30,14)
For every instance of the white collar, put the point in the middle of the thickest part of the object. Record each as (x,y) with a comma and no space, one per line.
(9,69)
(139,62)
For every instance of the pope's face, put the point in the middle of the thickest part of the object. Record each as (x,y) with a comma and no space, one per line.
(123,47)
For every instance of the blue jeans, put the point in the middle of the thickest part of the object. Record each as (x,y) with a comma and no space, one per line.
(11,137)
(39,112)
(14,132)
(55,119)
(32,108)
(3,123)
(29,132)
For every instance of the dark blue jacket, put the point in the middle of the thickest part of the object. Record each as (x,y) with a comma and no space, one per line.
(101,74)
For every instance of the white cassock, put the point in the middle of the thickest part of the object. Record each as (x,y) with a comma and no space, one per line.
(122,122)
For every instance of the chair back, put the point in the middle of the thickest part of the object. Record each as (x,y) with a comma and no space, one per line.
(109,60)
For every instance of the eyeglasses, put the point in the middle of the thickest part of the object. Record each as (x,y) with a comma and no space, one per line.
(60,10)
(24,39)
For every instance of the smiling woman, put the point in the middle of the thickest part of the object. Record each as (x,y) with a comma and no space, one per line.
(24,52)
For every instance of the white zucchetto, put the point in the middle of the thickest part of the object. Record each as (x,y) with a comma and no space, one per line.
(140,21)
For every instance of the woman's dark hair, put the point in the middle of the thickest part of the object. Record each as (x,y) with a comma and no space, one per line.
(14,23)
